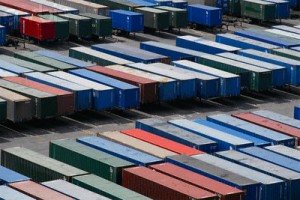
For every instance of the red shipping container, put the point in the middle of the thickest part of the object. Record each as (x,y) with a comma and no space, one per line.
(159,186)
(225,192)
(270,124)
(65,99)
(149,89)
(38,28)
(38,191)
(161,142)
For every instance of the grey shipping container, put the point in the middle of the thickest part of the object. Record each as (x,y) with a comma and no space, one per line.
(154,18)
(85,6)
(79,26)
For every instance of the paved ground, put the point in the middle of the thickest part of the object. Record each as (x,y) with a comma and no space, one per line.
(36,135)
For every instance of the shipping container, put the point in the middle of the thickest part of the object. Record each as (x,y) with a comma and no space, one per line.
(19,108)
(119,4)
(285,151)
(148,89)
(9,176)
(257,141)
(102,95)
(79,26)
(269,124)
(72,190)
(38,191)
(135,156)
(178,18)
(7,20)
(182,4)
(82,95)
(3,110)
(279,73)
(252,77)
(101,25)
(43,105)
(288,53)
(89,159)
(259,10)
(125,95)
(161,142)
(106,188)
(252,129)
(234,7)
(167,86)
(65,9)
(295,48)
(202,45)
(163,129)
(61,26)
(17,14)
(291,178)
(26,64)
(131,53)
(2,35)
(297,112)
(249,186)
(163,2)
(154,18)
(159,186)
(287,28)
(186,87)
(13,68)
(93,56)
(222,190)
(173,52)
(293,66)
(7,193)
(244,43)
(229,84)
(272,157)
(43,60)
(127,20)
(282,8)
(284,33)
(85,6)
(143,3)
(225,141)
(65,99)
(4,73)
(37,166)
(204,15)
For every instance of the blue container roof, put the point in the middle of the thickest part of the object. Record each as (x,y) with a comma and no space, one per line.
(102,79)
(10,176)
(125,12)
(9,193)
(286,151)
(119,150)
(13,68)
(143,3)
(204,7)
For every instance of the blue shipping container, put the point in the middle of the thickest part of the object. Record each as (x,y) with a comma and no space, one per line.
(285,151)
(127,20)
(7,20)
(182,4)
(143,3)
(120,151)
(163,129)
(2,35)
(126,95)
(282,8)
(252,129)
(9,176)
(204,15)
(17,14)
(7,193)
(293,66)
(297,112)
(14,68)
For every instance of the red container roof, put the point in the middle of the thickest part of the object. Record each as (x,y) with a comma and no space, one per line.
(161,142)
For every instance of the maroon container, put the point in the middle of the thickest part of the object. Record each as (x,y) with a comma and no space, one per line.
(225,192)
(38,28)
(38,191)
(65,99)
(149,89)
(270,124)
(159,186)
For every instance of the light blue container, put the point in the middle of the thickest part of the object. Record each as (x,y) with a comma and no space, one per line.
(127,20)
(204,15)
(9,176)
(14,68)
(7,193)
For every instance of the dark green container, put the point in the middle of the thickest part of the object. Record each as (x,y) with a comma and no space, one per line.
(88,159)
(37,166)
(101,25)
(155,18)
(106,188)
(79,26)
(252,77)
(43,60)
(61,26)
(118,4)
(234,7)
(178,17)
(26,64)
(288,53)
(257,9)
(44,104)
(3,110)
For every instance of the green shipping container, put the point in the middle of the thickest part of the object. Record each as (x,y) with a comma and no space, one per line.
(178,17)
(37,166)
(118,4)
(43,60)
(234,7)
(101,25)
(3,110)
(252,77)
(106,188)
(44,104)
(155,18)
(88,159)
(61,26)
(288,53)
(257,9)
(79,26)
